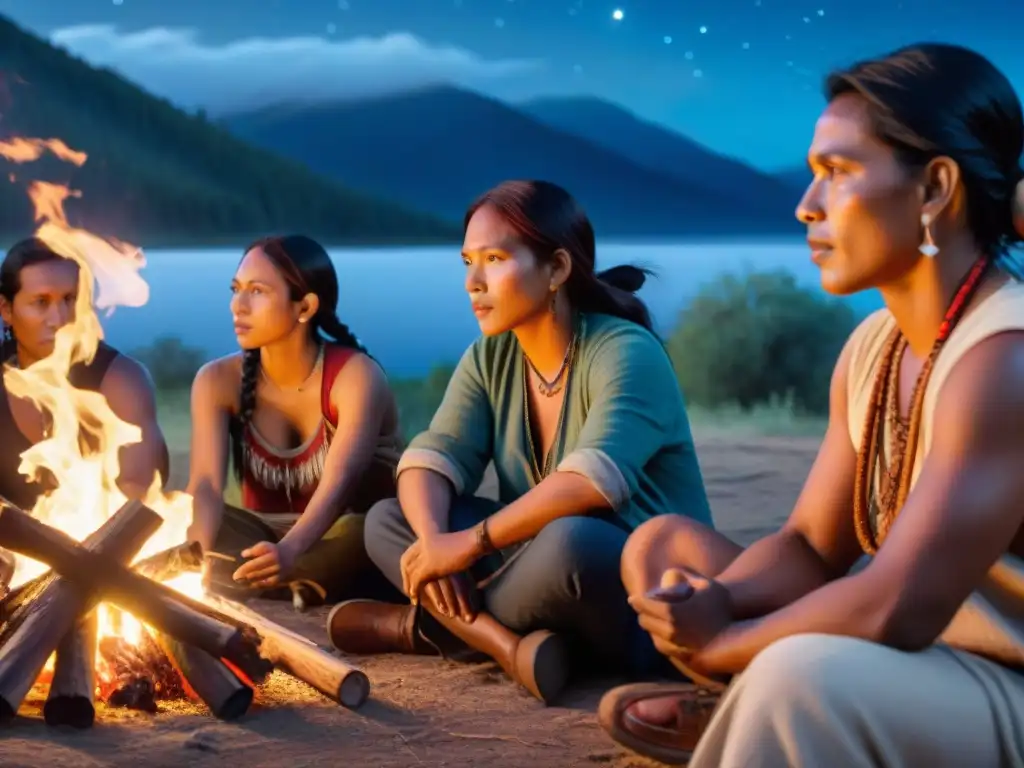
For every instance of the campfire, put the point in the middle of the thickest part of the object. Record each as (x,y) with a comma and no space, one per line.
(106,603)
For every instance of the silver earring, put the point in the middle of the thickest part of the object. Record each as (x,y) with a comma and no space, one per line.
(928,246)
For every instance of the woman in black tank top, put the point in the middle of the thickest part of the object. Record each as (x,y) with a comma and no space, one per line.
(38,289)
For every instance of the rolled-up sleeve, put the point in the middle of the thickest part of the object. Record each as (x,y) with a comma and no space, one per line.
(634,410)
(458,443)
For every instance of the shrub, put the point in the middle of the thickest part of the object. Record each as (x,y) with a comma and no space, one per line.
(759,338)
(419,398)
(171,363)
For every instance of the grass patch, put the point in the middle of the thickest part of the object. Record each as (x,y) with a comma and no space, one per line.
(775,420)
(172,409)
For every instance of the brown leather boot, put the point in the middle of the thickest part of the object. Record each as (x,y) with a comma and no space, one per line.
(538,661)
(371,627)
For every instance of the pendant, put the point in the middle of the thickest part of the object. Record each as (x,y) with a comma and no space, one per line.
(549,390)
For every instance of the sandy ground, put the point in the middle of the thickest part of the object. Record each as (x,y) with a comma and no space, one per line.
(422,711)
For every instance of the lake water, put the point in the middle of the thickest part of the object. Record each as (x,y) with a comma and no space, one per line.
(408,305)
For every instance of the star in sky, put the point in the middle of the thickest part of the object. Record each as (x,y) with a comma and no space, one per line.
(711,70)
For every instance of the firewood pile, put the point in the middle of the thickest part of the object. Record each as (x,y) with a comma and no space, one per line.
(214,650)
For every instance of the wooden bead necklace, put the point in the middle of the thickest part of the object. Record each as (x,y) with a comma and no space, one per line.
(873,515)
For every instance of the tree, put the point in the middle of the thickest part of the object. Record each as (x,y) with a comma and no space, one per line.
(171,363)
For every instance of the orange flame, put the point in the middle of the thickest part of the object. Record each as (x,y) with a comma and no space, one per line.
(20,150)
(86,492)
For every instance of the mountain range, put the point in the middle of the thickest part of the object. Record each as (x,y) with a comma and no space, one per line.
(436,149)
(396,168)
(158,174)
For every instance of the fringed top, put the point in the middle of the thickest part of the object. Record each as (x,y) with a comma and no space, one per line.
(279,481)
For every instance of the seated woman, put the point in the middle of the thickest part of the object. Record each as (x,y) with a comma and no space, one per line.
(38,291)
(573,398)
(313,430)
(915,657)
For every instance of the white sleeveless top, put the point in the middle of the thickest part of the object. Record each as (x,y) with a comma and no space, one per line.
(991,621)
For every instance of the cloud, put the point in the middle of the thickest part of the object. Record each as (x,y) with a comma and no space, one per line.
(250,72)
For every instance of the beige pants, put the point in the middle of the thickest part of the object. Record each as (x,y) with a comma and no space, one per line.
(834,702)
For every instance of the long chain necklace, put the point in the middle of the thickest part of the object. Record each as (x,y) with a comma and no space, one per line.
(873,515)
(302,385)
(539,473)
(550,388)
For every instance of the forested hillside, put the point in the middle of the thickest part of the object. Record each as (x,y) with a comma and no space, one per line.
(157,173)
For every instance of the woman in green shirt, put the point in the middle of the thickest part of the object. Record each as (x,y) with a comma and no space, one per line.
(573,399)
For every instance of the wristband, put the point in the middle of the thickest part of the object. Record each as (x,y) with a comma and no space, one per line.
(483,539)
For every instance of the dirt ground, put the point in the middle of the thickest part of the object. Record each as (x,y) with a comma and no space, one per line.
(422,711)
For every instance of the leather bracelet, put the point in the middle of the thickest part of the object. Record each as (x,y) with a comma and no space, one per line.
(483,539)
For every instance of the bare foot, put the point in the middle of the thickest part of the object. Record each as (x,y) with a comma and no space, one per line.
(661,711)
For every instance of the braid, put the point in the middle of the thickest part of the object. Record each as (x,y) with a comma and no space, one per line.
(339,332)
(246,405)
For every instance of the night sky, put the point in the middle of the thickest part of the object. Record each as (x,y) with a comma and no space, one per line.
(741,76)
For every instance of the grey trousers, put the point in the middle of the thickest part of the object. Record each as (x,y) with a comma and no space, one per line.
(566,579)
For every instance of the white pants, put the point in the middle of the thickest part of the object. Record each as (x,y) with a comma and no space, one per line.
(819,701)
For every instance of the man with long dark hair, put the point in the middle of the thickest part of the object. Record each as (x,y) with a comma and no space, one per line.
(38,293)
(914,659)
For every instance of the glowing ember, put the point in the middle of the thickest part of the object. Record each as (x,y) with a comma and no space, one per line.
(86,470)
(139,674)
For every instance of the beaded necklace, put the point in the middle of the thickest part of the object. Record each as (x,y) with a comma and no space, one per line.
(894,485)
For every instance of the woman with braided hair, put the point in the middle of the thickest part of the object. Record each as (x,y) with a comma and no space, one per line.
(312,428)
(913,657)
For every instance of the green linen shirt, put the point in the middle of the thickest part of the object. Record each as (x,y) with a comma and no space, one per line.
(625,426)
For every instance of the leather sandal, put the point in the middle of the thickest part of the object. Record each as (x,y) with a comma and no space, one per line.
(669,743)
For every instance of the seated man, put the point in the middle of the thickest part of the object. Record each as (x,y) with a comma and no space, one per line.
(38,290)
(914,659)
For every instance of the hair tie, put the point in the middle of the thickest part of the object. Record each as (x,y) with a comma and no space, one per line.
(1018,207)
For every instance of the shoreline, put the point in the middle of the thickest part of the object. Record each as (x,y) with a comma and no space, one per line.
(164,242)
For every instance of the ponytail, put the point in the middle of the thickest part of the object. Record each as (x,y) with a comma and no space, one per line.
(611,292)
(1008,259)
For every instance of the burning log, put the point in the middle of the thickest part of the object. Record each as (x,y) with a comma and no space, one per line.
(300,657)
(70,700)
(210,679)
(39,625)
(163,566)
(173,562)
(165,609)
